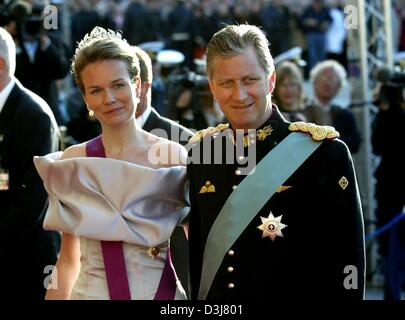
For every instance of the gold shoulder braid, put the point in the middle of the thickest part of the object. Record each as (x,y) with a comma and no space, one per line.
(318,133)
(207,132)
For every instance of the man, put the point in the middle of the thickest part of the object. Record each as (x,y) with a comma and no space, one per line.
(294,226)
(27,128)
(153,122)
(42,57)
(327,78)
(387,130)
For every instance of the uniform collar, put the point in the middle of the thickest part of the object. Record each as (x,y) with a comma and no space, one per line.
(274,128)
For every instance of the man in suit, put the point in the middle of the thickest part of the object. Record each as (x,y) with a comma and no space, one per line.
(153,122)
(293,226)
(27,128)
(328,78)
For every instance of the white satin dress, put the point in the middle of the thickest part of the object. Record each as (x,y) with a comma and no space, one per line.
(106,199)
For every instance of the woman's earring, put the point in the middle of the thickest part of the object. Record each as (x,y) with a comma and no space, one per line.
(91,113)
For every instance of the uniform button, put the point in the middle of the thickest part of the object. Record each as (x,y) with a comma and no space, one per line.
(240,158)
(231,252)
(231,285)
(234,187)
(230,269)
(238,172)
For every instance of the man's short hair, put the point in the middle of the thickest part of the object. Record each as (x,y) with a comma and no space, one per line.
(234,40)
(145,64)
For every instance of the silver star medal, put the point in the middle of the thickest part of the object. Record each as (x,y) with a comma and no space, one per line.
(272,226)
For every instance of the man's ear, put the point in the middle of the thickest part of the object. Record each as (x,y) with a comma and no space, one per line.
(212,90)
(138,86)
(145,87)
(272,81)
(3,66)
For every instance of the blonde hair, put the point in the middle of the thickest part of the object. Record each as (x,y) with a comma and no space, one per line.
(101,44)
(289,69)
(235,39)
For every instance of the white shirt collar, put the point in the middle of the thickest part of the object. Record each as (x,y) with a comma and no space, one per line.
(6,92)
(144,116)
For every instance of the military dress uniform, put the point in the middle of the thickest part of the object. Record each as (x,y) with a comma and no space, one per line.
(318,250)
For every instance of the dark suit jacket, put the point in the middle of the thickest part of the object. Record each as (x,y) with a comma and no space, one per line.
(344,122)
(28,128)
(324,232)
(40,75)
(166,128)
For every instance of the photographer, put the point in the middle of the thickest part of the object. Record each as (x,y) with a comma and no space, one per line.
(41,57)
(387,139)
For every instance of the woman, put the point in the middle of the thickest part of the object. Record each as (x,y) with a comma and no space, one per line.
(117,213)
(288,94)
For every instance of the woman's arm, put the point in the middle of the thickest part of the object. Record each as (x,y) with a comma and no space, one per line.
(66,270)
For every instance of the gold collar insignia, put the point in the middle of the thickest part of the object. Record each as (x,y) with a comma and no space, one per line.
(207,188)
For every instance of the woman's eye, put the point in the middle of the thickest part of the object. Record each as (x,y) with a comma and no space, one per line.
(95,91)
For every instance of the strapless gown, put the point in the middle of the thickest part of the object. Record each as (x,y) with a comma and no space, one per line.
(106,199)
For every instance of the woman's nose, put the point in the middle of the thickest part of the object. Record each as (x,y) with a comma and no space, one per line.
(109,96)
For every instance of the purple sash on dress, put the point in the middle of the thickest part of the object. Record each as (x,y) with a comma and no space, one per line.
(113,255)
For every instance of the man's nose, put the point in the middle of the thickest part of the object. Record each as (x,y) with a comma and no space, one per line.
(240,93)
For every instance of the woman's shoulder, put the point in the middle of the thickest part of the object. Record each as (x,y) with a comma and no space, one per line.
(170,153)
(75,151)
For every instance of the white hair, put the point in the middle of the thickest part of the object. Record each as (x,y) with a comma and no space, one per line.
(7,50)
(329,64)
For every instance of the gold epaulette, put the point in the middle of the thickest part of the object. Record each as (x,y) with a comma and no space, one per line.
(318,133)
(207,132)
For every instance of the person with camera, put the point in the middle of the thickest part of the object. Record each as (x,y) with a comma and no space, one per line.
(27,128)
(42,58)
(387,134)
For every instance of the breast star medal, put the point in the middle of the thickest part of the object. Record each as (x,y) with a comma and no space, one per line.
(272,226)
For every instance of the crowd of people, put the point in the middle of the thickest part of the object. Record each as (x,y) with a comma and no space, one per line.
(100,213)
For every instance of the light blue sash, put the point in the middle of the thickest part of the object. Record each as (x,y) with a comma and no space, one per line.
(249,198)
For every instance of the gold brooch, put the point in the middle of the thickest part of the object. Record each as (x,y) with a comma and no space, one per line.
(264,133)
(153,252)
(343,182)
(207,188)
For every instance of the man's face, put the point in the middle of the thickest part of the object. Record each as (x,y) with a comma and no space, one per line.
(242,89)
(326,85)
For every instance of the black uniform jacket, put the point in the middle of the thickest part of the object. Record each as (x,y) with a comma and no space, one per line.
(321,253)
(27,129)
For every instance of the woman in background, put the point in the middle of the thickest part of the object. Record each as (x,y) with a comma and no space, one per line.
(288,94)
